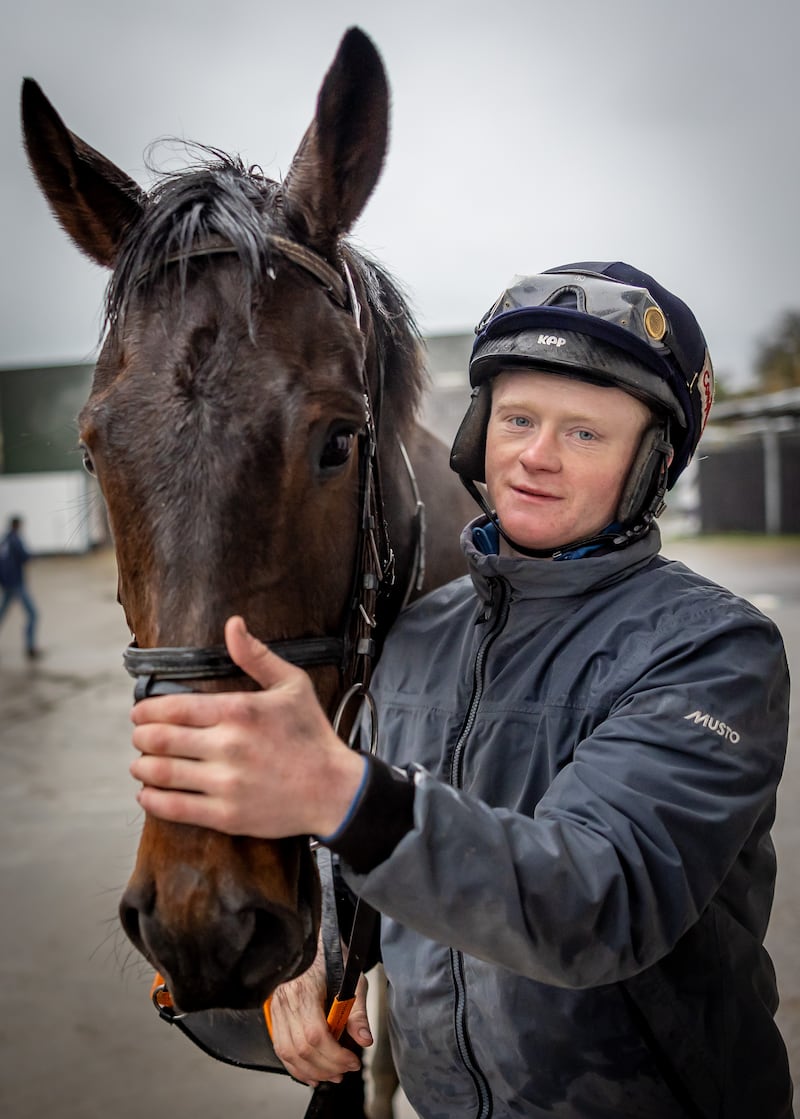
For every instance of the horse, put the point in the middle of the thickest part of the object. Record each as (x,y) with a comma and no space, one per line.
(252,425)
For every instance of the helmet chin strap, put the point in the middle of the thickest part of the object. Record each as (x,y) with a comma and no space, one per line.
(610,539)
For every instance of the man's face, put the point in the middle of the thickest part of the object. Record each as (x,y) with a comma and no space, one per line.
(558,452)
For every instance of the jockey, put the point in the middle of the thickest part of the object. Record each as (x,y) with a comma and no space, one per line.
(567,828)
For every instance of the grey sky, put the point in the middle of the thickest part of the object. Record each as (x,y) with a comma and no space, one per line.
(525,134)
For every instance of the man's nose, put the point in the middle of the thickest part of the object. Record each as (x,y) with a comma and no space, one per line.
(541,451)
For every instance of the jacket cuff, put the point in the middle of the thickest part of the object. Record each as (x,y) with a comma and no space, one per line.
(380,815)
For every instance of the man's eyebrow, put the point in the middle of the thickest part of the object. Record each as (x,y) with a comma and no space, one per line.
(514,404)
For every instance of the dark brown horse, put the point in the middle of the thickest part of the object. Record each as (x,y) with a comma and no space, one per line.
(248,349)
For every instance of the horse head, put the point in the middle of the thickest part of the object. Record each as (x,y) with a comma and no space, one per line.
(245,340)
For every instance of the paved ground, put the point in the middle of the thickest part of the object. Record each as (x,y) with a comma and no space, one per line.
(78,1038)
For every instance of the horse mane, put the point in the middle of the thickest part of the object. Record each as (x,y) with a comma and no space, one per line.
(221,198)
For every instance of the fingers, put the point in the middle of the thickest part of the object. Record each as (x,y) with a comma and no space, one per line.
(165,740)
(181,789)
(253,657)
(193,709)
(179,758)
(183,808)
(311,1054)
(180,774)
(179,782)
(358,1023)
(300,1033)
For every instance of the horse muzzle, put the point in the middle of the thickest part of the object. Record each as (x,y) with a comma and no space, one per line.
(223,940)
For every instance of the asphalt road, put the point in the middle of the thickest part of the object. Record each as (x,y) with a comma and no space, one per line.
(78,1037)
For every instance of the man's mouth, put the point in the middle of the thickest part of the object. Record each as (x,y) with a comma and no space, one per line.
(541,495)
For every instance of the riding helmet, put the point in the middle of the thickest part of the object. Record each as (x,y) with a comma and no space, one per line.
(608,324)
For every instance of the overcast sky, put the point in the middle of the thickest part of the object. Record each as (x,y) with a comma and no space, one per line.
(525,134)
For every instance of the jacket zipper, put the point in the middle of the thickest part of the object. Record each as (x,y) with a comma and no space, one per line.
(498,613)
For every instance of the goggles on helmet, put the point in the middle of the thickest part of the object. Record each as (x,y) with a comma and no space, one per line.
(632,308)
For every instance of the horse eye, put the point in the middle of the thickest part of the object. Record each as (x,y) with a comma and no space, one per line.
(337,450)
(88,464)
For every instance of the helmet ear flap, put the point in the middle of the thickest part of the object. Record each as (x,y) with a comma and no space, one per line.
(468,453)
(647,478)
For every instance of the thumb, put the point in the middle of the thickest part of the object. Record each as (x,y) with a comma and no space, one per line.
(253,657)
(357,1023)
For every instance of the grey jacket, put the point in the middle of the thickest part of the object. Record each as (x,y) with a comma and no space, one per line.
(573,925)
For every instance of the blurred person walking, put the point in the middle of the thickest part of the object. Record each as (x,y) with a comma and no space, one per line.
(14,555)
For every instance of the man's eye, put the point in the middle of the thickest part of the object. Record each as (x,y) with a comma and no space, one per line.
(586,436)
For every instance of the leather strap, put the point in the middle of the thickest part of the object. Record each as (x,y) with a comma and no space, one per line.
(211,662)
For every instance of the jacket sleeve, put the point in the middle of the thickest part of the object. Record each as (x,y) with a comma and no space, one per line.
(666,803)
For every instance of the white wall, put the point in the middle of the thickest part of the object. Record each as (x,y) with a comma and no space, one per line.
(61,512)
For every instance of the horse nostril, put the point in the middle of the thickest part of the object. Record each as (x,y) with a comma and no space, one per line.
(129,919)
(131,907)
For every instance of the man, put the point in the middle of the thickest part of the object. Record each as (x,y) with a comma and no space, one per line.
(572,858)
(13,558)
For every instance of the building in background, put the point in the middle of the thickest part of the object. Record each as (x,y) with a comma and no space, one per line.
(748,465)
(448,365)
(41,472)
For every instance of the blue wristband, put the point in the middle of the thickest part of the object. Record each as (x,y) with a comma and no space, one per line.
(351,811)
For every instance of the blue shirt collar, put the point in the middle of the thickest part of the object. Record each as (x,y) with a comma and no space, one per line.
(487,540)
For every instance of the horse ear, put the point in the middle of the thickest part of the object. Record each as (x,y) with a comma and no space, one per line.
(93,200)
(340,157)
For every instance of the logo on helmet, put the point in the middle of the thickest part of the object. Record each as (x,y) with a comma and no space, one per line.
(551,340)
(706,390)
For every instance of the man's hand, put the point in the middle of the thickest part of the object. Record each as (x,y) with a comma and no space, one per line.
(300,1033)
(265,764)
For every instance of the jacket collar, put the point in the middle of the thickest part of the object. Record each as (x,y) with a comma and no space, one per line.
(533,578)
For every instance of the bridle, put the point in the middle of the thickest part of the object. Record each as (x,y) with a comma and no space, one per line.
(161,671)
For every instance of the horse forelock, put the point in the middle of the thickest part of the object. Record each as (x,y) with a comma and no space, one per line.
(214,201)
(222,200)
